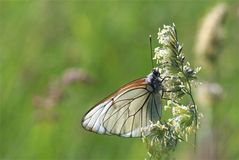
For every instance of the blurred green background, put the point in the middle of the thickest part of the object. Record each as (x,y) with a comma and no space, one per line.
(40,40)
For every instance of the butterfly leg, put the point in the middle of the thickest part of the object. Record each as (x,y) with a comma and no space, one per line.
(168,91)
(164,98)
(163,91)
(164,78)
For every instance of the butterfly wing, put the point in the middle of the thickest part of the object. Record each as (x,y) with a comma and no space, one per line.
(125,112)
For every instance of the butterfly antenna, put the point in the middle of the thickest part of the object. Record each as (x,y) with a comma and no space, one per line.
(151,50)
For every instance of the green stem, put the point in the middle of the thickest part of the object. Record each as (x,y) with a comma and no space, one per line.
(196,116)
(189,89)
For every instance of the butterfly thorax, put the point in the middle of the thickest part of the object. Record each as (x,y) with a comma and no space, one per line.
(154,80)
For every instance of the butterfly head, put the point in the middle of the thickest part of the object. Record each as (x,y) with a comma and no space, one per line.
(154,79)
(156,73)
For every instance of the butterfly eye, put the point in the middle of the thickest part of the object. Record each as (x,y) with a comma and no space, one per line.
(155,73)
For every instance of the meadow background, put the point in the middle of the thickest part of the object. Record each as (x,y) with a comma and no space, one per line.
(42,40)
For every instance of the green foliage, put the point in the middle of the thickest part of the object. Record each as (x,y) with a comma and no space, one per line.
(39,40)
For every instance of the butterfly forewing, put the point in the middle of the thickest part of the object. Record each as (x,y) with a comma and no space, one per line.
(126,111)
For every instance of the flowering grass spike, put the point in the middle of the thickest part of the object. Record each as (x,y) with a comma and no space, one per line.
(179,77)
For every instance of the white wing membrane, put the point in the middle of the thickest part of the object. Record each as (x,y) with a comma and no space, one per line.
(125,113)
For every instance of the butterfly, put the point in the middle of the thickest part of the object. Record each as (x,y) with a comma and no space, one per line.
(130,109)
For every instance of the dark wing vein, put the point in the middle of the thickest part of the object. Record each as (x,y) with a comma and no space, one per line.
(140,109)
(94,115)
(155,105)
(151,109)
(118,109)
(127,109)
(131,90)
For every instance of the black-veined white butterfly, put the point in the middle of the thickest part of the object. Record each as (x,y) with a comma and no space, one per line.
(129,110)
